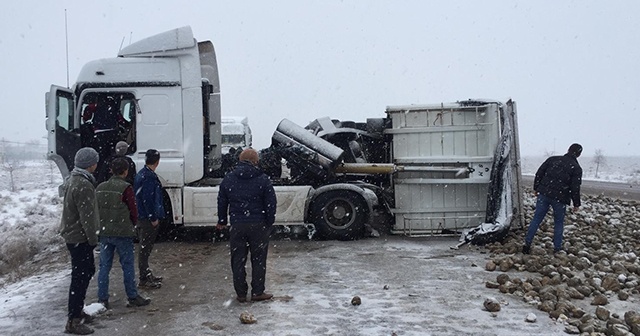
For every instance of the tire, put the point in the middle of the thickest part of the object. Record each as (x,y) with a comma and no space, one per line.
(339,214)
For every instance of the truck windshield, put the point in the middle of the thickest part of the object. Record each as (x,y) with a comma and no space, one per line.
(233,139)
(106,118)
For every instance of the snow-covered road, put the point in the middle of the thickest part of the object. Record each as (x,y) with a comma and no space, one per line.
(408,286)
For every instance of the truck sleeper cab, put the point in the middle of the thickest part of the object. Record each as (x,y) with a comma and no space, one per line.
(166,89)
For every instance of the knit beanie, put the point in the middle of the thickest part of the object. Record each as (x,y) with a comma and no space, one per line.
(86,157)
(121,148)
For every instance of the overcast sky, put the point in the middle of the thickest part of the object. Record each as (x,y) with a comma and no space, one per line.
(572,66)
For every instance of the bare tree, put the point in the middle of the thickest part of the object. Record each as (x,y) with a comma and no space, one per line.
(3,150)
(599,160)
(10,166)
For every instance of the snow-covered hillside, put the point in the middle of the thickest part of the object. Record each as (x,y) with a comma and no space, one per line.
(615,168)
(29,218)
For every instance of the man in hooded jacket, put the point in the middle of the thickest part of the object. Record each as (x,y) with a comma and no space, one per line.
(557,184)
(247,197)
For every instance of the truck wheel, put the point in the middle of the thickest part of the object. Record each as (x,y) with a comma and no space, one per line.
(339,214)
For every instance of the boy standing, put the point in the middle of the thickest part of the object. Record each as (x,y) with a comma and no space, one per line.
(118,216)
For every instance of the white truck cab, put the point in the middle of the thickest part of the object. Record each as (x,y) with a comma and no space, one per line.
(236,133)
(166,88)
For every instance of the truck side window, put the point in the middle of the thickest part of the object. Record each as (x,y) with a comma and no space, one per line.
(65,113)
(128,109)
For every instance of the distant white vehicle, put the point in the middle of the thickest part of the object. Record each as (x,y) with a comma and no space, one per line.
(236,133)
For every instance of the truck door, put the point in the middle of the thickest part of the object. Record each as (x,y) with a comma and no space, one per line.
(63,132)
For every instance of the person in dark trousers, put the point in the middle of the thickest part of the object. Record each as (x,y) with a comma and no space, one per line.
(247,197)
(107,120)
(121,152)
(557,184)
(118,217)
(78,227)
(148,190)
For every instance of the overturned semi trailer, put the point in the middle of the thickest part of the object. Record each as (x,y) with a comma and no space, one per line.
(461,169)
(436,169)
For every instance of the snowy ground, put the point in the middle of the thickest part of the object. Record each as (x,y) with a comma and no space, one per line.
(29,218)
(408,286)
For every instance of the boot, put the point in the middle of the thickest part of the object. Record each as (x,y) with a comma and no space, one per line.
(148,284)
(154,278)
(138,301)
(75,326)
(262,297)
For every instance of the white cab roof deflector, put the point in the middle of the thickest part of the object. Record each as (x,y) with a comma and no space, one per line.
(173,40)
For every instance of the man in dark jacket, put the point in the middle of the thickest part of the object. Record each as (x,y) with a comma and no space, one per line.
(247,196)
(148,190)
(106,120)
(557,184)
(78,227)
(121,152)
(118,216)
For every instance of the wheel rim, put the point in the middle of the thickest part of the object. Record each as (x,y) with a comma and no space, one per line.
(339,214)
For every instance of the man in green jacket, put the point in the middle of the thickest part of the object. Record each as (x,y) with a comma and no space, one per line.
(79,226)
(118,217)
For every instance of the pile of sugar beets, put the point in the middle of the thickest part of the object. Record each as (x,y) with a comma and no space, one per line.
(597,269)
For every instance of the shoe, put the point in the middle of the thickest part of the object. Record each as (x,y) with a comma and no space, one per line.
(149,284)
(242,299)
(138,301)
(526,249)
(559,253)
(86,318)
(261,297)
(75,327)
(105,303)
(154,278)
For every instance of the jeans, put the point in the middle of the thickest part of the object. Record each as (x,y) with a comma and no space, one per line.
(124,247)
(245,238)
(82,270)
(542,207)
(147,234)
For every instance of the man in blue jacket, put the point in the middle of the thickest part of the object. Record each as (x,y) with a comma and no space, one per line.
(148,190)
(247,196)
(557,184)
